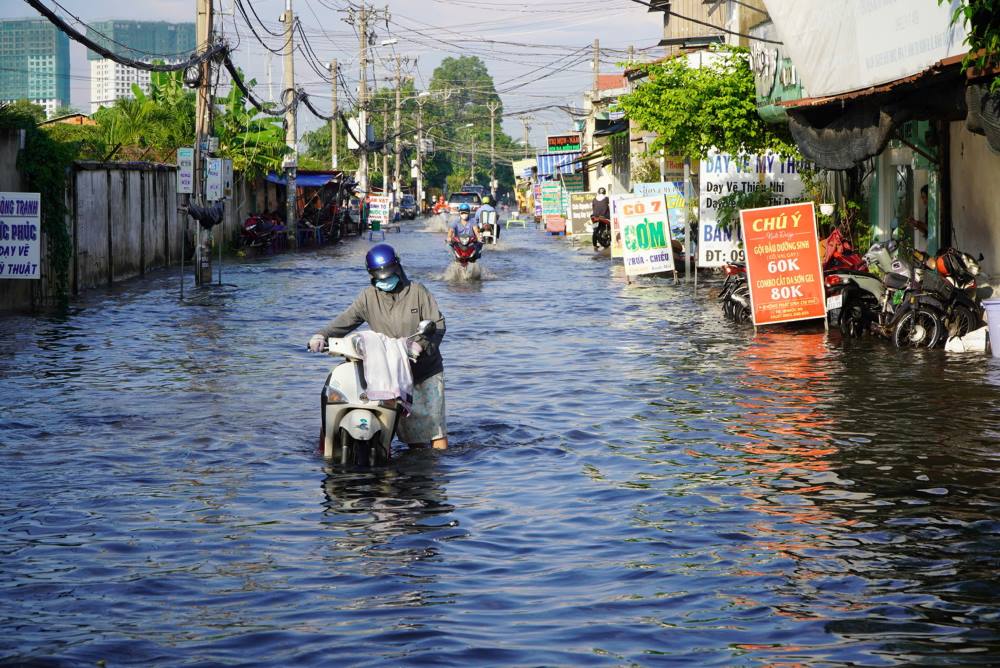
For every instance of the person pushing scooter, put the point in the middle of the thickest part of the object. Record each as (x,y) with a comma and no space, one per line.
(394,306)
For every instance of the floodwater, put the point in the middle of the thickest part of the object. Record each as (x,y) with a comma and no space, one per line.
(632,481)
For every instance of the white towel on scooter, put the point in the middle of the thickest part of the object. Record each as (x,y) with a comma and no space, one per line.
(387,369)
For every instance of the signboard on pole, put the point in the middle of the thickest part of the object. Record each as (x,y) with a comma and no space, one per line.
(564,143)
(20,235)
(580,206)
(645,229)
(723,174)
(552,207)
(537,192)
(213,179)
(784,269)
(185,171)
(227,178)
(378,211)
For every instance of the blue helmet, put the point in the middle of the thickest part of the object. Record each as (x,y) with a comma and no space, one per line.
(382,261)
(464,208)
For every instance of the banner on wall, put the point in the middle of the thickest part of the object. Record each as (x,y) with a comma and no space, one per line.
(784,269)
(20,235)
(723,174)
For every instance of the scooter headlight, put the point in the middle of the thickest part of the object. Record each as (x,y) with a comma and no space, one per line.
(334,395)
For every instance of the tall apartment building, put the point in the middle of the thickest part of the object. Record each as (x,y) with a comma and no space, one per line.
(138,40)
(34,63)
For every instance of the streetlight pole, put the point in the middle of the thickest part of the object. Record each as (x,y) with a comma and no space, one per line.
(420,148)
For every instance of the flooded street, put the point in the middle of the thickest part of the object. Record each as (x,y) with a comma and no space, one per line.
(632,480)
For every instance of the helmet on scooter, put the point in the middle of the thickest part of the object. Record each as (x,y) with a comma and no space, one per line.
(486,199)
(382,261)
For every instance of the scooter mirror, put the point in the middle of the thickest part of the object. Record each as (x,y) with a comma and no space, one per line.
(427,327)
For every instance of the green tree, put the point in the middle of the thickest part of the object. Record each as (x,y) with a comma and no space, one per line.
(982,22)
(254,142)
(26,108)
(695,109)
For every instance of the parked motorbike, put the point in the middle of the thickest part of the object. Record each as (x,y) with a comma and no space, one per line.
(356,430)
(949,277)
(258,231)
(735,293)
(602,233)
(908,314)
(466,250)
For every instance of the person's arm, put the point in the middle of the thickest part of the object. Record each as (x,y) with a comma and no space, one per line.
(348,321)
(429,311)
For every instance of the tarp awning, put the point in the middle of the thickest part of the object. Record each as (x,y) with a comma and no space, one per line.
(304,180)
(550,164)
(613,129)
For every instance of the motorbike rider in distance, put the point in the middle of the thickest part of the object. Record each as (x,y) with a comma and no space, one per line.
(600,215)
(464,226)
(394,306)
(486,207)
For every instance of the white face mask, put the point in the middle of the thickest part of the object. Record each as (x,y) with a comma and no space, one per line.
(601,198)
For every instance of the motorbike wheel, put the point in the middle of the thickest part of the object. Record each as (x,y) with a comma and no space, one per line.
(741,313)
(963,320)
(852,319)
(920,328)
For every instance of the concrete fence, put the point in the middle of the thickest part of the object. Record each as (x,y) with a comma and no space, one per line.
(123,222)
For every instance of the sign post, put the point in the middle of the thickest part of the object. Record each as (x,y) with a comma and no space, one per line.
(552,207)
(645,230)
(20,235)
(784,269)
(580,207)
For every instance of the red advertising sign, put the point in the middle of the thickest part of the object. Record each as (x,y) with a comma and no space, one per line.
(783,265)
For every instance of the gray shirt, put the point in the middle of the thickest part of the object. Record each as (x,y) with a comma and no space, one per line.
(396,314)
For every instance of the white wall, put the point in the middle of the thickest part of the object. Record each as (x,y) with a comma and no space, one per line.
(975,200)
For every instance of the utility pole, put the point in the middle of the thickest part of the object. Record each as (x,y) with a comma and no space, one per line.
(493,105)
(420,150)
(631,54)
(385,150)
(291,131)
(334,71)
(472,161)
(362,19)
(597,66)
(396,189)
(525,120)
(203,130)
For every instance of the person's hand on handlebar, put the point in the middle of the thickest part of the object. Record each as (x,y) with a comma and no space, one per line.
(316,343)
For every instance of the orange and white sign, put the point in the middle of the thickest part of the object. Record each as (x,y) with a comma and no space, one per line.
(783,264)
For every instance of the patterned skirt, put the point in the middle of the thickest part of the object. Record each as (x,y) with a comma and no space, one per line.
(426,420)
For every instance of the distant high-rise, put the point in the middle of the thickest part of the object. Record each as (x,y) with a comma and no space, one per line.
(137,40)
(34,63)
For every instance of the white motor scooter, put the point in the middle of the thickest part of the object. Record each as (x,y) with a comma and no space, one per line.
(357,430)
